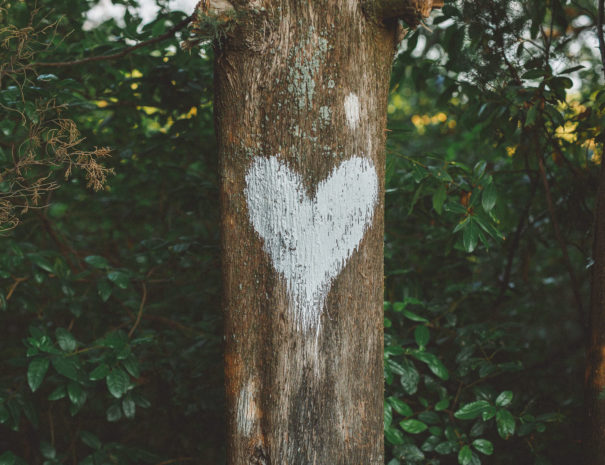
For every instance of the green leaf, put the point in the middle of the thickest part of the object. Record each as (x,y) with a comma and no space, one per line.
(505,398)
(410,453)
(400,407)
(465,455)
(114,413)
(446,447)
(505,423)
(413,426)
(489,197)
(471,410)
(91,440)
(104,289)
(410,377)
(479,168)
(470,235)
(395,367)
(99,372)
(484,446)
(388,415)
(47,451)
(422,335)
(532,116)
(488,413)
(66,367)
(76,394)
(66,340)
(47,77)
(4,414)
(442,404)
(394,435)
(534,74)
(129,407)
(59,393)
(97,261)
(433,363)
(119,278)
(414,317)
(35,372)
(439,197)
(117,382)
(41,262)
(7,458)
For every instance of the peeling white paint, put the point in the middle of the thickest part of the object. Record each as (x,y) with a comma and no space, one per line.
(310,240)
(352,110)
(247,411)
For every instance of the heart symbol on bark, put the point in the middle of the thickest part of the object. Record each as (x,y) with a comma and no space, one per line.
(310,240)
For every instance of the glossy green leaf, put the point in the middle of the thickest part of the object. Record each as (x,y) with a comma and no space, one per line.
(470,236)
(505,423)
(91,440)
(505,398)
(128,407)
(414,317)
(400,407)
(439,197)
(117,382)
(65,340)
(489,197)
(471,410)
(465,455)
(394,435)
(484,446)
(413,426)
(422,335)
(99,372)
(35,372)
(96,261)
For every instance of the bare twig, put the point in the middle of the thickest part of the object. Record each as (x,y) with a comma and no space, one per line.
(140,312)
(121,53)
(600,20)
(514,244)
(559,237)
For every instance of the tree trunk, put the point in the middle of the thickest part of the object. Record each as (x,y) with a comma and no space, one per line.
(595,367)
(300,106)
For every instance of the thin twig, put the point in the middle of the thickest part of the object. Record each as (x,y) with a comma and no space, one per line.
(178,459)
(514,244)
(140,312)
(14,286)
(121,53)
(559,237)
(600,20)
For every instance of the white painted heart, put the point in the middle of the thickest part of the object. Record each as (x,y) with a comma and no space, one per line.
(310,240)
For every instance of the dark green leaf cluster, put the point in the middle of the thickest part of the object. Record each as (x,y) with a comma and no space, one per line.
(493,156)
(109,300)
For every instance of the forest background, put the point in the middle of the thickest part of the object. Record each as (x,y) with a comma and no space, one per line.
(110,285)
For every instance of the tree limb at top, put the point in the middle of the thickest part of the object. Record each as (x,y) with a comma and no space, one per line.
(411,11)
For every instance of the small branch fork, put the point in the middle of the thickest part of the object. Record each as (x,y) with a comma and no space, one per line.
(168,34)
(600,21)
(563,246)
(411,11)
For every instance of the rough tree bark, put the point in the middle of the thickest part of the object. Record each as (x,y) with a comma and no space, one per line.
(300,106)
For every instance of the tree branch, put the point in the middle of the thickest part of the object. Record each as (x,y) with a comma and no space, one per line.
(121,53)
(600,20)
(411,11)
(559,237)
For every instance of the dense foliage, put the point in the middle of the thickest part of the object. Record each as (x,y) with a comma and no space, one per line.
(110,299)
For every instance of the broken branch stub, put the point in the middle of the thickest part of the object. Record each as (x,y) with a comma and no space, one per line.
(410,11)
